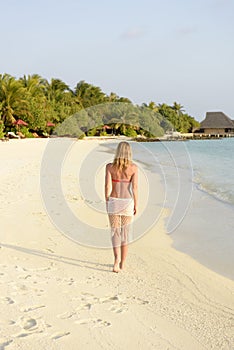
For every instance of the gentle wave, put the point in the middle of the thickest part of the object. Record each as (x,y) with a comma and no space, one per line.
(214,168)
(224,195)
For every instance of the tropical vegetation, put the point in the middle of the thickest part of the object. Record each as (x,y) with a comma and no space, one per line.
(36,106)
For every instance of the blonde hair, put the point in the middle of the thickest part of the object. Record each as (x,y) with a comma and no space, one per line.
(123,156)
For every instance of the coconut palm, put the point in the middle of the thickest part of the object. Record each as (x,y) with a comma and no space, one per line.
(34,84)
(178,108)
(60,101)
(35,89)
(88,95)
(151,105)
(56,89)
(12,97)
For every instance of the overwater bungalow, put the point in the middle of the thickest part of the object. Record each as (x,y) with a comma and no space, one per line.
(216,124)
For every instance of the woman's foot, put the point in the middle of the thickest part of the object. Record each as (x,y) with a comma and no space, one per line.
(116,266)
(121,265)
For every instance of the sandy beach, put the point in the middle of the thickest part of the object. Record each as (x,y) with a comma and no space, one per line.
(58,294)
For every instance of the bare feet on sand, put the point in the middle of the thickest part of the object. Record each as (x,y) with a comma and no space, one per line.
(116,267)
(121,265)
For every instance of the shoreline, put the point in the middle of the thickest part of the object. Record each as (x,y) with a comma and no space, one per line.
(203,241)
(56,293)
(185,241)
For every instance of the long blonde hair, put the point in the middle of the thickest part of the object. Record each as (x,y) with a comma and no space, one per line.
(123,156)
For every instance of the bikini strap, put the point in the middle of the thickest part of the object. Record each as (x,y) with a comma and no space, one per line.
(121,180)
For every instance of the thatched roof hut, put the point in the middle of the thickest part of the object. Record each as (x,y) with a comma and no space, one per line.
(216,120)
(216,123)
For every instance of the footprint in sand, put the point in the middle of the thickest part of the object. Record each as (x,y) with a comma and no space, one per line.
(4,343)
(22,335)
(58,335)
(49,250)
(66,315)
(141,301)
(71,281)
(21,288)
(108,299)
(87,295)
(118,306)
(101,323)
(29,324)
(84,307)
(7,300)
(24,277)
(118,310)
(32,308)
(7,322)
(94,281)
(20,269)
(26,334)
(94,322)
(117,303)
(88,301)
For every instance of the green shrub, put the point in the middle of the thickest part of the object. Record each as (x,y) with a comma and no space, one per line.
(1,130)
(103,133)
(92,132)
(130,132)
(25,132)
(81,137)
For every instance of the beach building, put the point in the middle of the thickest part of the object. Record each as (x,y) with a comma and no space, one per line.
(216,124)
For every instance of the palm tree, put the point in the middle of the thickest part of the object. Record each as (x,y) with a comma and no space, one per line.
(12,98)
(34,84)
(56,89)
(35,91)
(113,97)
(151,105)
(60,101)
(178,108)
(88,95)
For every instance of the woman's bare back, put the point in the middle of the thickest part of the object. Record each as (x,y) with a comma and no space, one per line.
(122,181)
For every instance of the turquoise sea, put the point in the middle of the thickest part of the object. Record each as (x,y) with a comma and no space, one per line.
(198,181)
(213,165)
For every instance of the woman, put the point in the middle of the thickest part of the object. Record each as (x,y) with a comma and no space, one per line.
(121,195)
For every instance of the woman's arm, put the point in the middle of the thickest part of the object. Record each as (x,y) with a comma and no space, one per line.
(108,184)
(135,189)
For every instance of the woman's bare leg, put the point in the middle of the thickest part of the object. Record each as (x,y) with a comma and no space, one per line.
(125,222)
(124,252)
(116,240)
(116,249)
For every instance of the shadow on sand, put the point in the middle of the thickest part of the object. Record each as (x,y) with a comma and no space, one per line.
(60,258)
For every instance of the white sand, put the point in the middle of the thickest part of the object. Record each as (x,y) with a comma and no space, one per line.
(56,294)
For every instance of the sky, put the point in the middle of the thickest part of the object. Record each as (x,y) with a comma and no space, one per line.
(149,50)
